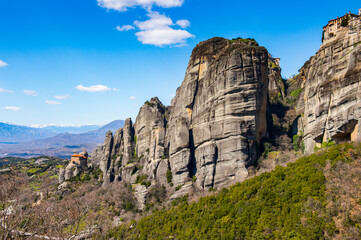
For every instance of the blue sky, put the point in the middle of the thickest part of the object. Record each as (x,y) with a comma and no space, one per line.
(94,61)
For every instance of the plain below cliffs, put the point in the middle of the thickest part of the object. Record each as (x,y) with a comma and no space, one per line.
(329,107)
(209,135)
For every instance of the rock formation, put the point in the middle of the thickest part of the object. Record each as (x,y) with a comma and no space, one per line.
(219,113)
(276,86)
(330,106)
(210,133)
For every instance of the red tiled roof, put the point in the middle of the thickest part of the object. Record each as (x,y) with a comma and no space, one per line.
(77,155)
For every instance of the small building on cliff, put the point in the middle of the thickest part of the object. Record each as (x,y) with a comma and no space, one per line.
(80,159)
(340,23)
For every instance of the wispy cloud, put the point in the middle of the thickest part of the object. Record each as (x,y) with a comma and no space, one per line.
(125,28)
(132,98)
(3,64)
(62,97)
(159,30)
(31,93)
(124,5)
(95,88)
(12,108)
(3,90)
(184,23)
(50,102)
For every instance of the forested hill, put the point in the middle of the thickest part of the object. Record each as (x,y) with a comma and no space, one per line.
(316,197)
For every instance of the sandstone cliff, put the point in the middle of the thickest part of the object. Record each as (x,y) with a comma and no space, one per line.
(330,103)
(219,113)
(210,134)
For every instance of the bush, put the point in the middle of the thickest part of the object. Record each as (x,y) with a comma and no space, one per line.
(85,177)
(344,22)
(141,178)
(296,141)
(178,187)
(169,176)
(158,193)
(149,103)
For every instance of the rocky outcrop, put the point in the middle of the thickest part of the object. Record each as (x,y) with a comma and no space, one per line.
(150,133)
(276,86)
(209,135)
(140,194)
(219,113)
(330,103)
(97,155)
(69,171)
(61,175)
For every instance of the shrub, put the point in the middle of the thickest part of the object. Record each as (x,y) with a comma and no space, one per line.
(149,103)
(158,193)
(296,141)
(344,22)
(141,178)
(194,178)
(169,176)
(85,177)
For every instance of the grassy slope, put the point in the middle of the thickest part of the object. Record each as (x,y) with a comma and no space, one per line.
(288,203)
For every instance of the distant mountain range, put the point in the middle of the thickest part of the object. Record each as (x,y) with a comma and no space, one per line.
(68,129)
(17,133)
(29,142)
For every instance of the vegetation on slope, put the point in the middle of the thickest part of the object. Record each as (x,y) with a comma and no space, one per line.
(301,201)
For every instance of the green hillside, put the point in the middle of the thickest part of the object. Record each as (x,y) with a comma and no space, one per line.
(316,197)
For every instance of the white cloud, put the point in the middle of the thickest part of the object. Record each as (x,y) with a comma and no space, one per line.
(184,23)
(52,102)
(94,88)
(3,90)
(124,5)
(31,93)
(161,37)
(158,31)
(124,28)
(156,21)
(132,98)
(15,109)
(62,97)
(3,64)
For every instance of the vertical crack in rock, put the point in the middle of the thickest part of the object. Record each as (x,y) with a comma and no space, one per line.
(192,165)
(325,135)
(215,159)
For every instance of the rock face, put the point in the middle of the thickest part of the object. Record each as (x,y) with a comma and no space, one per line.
(331,99)
(219,113)
(276,86)
(96,155)
(61,175)
(140,194)
(150,133)
(69,171)
(209,135)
